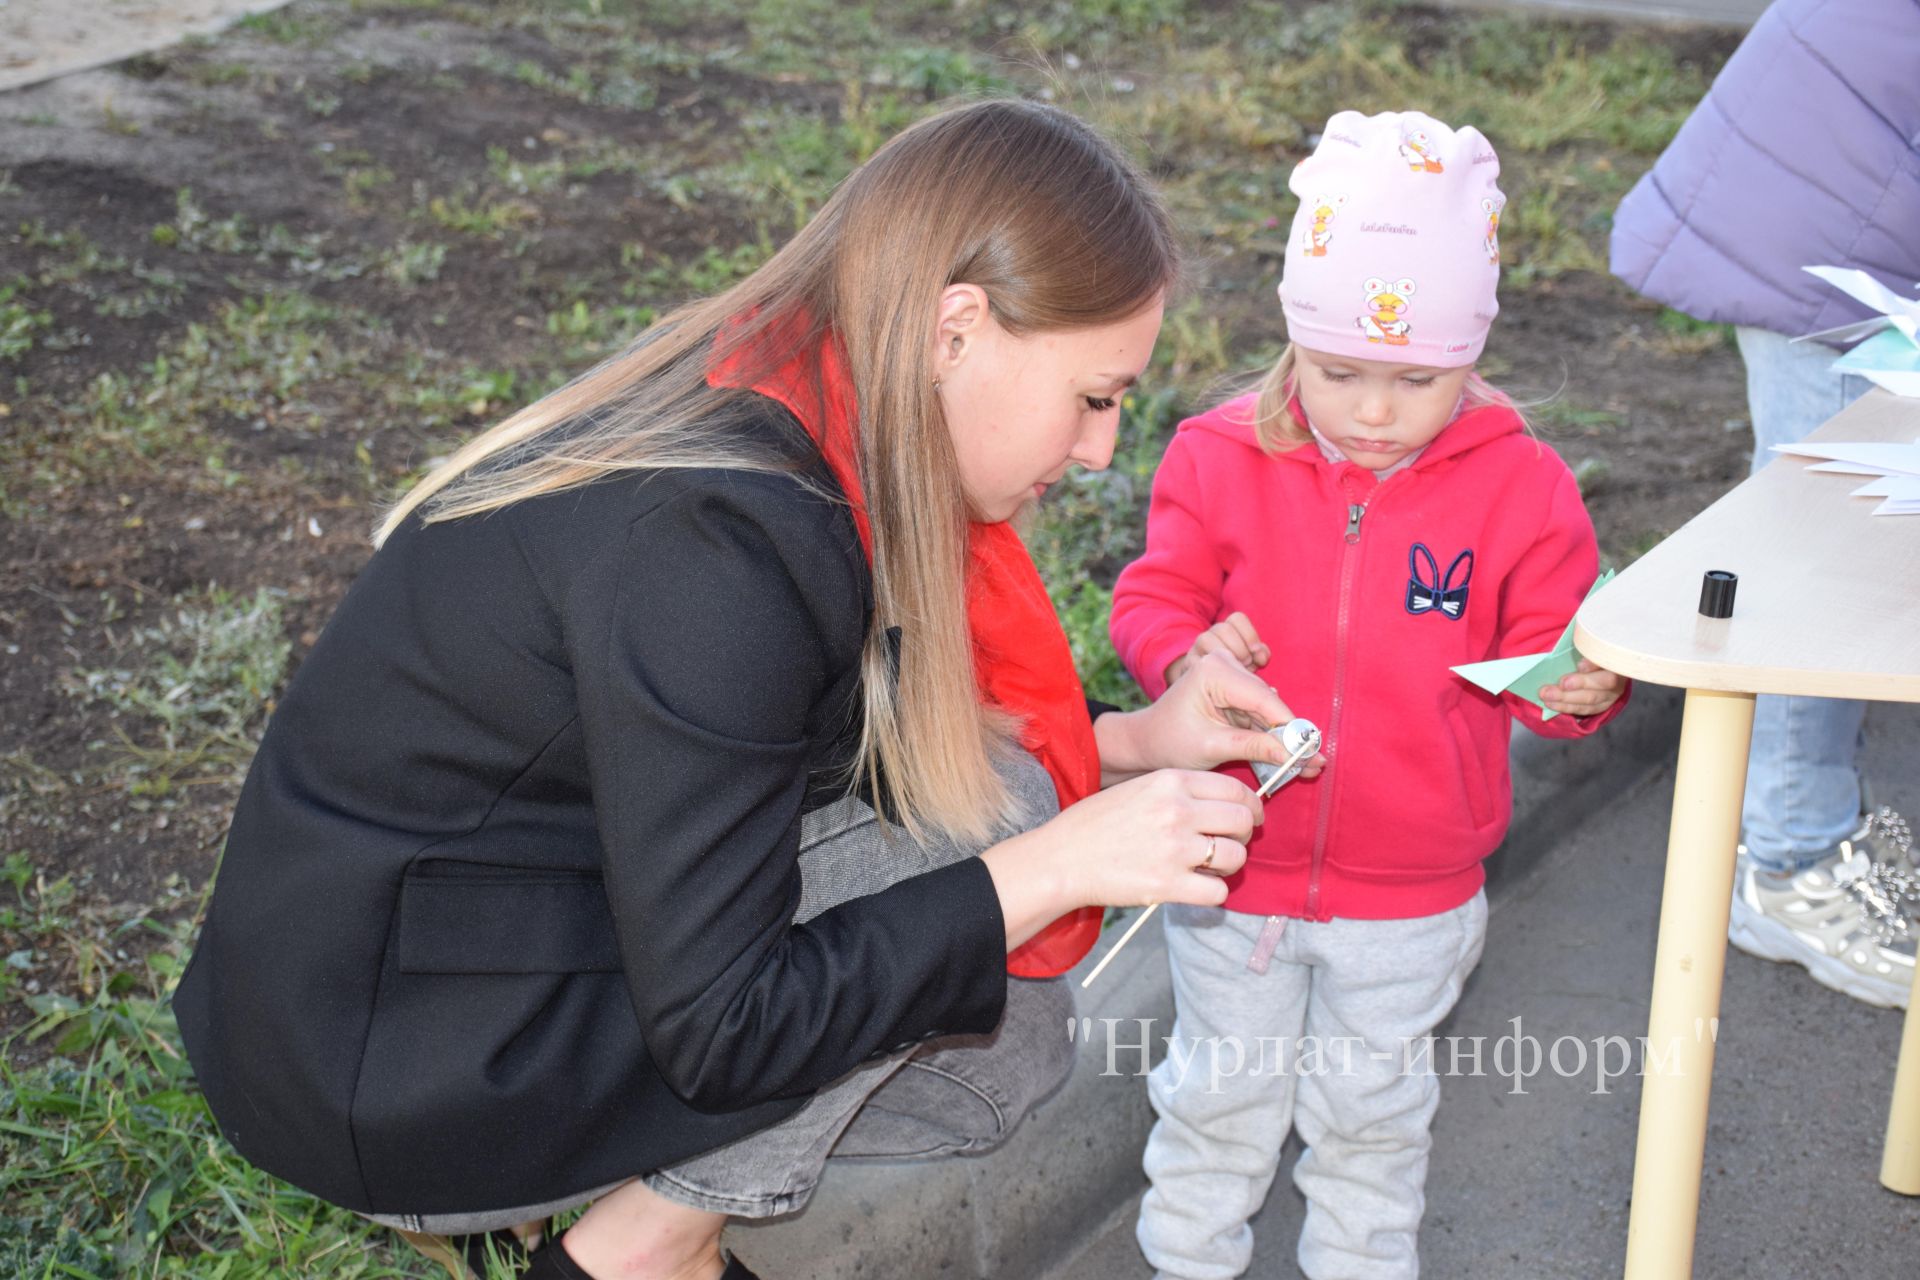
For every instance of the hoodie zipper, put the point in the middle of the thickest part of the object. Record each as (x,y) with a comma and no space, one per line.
(1349,559)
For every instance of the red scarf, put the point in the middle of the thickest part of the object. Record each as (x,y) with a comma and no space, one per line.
(1020,654)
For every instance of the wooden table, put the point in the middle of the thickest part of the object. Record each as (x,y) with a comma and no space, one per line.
(1828,605)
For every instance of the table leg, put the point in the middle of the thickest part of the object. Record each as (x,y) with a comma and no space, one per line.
(1689,962)
(1900,1164)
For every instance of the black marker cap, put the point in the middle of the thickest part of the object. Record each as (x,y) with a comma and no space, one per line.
(1716,593)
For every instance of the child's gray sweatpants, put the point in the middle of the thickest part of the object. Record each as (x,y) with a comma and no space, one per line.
(1329,1037)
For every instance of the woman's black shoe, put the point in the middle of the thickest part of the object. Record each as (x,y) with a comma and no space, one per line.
(551,1262)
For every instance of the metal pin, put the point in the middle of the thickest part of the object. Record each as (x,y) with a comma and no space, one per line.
(1301,738)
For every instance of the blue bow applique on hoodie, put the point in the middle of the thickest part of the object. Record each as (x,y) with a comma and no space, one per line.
(1428,592)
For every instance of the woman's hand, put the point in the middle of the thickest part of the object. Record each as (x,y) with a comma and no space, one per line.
(1216,712)
(1165,837)
(1585,692)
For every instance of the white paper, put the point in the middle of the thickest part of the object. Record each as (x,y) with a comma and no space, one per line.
(1896,381)
(1846,334)
(1878,459)
(1888,350)
(1895,468)
(1845,469)
(1899,488)
(1898,312)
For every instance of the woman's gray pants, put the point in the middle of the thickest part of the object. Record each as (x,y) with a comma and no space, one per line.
(941,1097)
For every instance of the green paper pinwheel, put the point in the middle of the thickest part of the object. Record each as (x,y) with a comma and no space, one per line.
(1527,674)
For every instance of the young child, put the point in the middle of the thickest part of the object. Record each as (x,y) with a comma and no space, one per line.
(1373,516)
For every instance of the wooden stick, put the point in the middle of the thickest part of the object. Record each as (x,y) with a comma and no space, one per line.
(1108,958)
(1268,788)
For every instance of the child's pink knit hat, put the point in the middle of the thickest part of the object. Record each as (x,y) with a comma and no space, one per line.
(1393,255)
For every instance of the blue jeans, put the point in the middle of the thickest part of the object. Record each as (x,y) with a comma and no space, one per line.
(1803,789)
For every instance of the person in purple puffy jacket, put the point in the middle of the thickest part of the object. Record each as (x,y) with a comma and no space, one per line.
(1806,152)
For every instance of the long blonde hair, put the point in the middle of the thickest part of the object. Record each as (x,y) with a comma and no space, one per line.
(1029,203)
(1274,426)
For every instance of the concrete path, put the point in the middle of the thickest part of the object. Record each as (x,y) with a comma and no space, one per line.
(41,39)
(1535,1185)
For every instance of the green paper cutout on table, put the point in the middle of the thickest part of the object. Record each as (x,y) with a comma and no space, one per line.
(1527,674)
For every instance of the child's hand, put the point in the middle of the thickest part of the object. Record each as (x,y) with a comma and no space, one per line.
(1234,637)
(1587,692)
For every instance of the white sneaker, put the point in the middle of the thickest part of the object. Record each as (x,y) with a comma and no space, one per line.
(1848,918)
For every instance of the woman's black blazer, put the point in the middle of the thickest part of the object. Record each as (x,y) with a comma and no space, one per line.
(505,911)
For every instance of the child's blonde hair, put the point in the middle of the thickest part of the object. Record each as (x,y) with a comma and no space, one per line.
(1277,431)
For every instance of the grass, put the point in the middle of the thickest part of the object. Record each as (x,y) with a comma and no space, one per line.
(470,214)
(359,183)
(1559,416)
(1575,121)
(1529,85)
(616,89)
(115,122)
(1681,334)
(255,361)
(70,261)
(197,684)
(708,272)
(110,1164)
(302,24)
(408,262)
(790,163)
(20,322)
(194,229)
(590,333)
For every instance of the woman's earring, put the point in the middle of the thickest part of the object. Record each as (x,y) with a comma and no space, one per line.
(936,384)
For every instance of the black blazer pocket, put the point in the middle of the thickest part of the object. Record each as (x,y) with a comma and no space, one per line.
(535,923)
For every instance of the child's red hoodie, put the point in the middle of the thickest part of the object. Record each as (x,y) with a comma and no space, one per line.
(1367,591)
